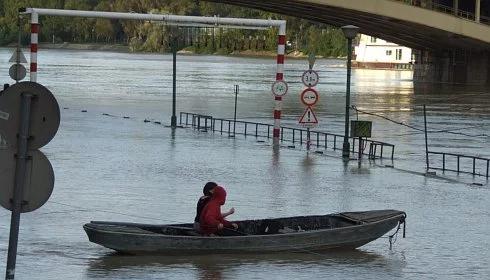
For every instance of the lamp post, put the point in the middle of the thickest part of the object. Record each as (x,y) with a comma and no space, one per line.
(174,36)
(350,32)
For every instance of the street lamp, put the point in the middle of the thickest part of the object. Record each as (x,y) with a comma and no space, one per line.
(350,32)
(174,37)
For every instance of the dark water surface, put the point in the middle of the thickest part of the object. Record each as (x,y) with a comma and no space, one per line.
(111,168)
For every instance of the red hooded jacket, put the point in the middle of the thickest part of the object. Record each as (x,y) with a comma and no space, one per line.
(211,215)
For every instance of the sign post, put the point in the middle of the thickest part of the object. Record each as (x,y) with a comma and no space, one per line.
(17,71)
(309,97)
(29,119)
(20,172)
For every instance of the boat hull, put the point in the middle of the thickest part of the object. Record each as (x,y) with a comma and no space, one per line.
(134,240)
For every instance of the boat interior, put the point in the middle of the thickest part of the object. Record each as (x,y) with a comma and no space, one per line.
(250,227)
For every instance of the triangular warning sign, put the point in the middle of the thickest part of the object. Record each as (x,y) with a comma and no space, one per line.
(22,58)
(308,117)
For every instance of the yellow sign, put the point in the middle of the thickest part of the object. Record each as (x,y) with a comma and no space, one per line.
(360,128)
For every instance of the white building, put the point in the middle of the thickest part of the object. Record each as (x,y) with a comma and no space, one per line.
(372,52)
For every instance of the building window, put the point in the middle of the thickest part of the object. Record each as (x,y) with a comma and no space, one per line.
(373,39)
(388,52)
(398,54)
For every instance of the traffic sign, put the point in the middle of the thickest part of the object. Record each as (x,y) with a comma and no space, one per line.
(310,78)
(360,128)
(44,115)
(18,53)
(39,180)
(17,72)
(279,88)
(309,97)
(308,118)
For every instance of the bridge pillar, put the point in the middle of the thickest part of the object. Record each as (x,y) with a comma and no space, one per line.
(454,66)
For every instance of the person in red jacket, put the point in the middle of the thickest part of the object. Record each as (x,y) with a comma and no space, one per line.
(212,220)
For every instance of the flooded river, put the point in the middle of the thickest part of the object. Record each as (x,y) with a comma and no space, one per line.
(113,168)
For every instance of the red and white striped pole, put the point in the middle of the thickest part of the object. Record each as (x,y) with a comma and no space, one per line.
(281,48)
(34,45)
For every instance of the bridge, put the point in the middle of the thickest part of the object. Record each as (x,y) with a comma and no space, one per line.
(450,38)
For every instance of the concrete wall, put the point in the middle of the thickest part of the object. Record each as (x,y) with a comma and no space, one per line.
(453,66)
(3,144)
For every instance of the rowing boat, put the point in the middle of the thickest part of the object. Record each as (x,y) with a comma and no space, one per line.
(346,230)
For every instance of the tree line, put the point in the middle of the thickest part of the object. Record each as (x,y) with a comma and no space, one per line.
(303,36)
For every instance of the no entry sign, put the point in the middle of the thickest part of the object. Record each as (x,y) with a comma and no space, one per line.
(309,97)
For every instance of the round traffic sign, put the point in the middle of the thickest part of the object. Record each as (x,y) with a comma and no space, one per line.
(44,117)
(279,88)
(310,78)
(39,181)
(17,72)
(309,97)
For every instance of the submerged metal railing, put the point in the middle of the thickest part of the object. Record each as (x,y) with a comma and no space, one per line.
(460,163)
(373,149)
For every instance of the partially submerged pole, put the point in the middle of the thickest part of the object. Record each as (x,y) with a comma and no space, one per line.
(34,42)
(20,180)
(237,88)
(426,141)
(173,120)
(281,50)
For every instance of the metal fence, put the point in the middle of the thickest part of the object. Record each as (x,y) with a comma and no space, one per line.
(459,163)
(373,149)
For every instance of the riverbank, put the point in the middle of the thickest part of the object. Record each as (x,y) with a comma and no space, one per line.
(186,51)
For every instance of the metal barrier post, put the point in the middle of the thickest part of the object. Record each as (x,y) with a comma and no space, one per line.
(426,141)
(458,164)
(443,162)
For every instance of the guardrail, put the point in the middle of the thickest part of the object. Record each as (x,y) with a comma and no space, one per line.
(461,164)
(445,9)
(318,139)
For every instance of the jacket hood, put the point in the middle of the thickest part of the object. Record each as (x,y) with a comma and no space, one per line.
(219,195)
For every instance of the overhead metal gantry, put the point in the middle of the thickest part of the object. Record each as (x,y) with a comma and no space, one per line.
(171,20)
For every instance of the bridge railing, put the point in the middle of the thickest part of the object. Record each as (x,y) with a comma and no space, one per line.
(373,149)
(445,9)
(459,163)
